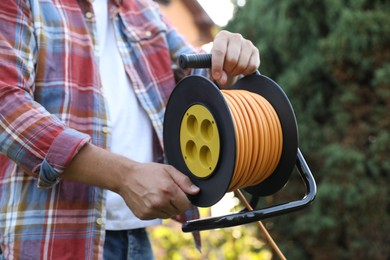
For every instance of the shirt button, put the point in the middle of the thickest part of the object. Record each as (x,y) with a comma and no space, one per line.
(89,15)
(148,33)
(105,129)
(100,221)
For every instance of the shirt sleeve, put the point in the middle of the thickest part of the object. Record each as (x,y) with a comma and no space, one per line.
(29,135)
(178,45)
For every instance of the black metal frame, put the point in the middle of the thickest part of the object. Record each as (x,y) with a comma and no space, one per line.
(259,214)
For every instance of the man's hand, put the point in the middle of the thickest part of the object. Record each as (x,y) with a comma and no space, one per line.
(233,55)
(150,190)
(155,190)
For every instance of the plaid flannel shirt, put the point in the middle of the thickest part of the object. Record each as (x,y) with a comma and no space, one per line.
(51,104)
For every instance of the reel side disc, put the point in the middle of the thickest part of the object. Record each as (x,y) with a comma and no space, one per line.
(197,99)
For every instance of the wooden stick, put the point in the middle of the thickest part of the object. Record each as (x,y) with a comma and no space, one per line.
(274,246)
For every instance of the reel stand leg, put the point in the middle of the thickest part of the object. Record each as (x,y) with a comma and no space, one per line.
(259,214)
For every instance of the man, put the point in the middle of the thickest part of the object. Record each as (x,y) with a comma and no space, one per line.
(83,88)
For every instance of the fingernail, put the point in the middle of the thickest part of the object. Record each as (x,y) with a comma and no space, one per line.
(217,75)
(194,188)
(223,80)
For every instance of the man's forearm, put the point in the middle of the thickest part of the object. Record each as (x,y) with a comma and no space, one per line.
(96,166)
(150,190)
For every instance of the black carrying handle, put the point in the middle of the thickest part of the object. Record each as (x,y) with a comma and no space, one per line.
(197,61)
(202,60)
(256,215)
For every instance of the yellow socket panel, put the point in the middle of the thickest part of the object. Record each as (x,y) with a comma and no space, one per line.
(199,141)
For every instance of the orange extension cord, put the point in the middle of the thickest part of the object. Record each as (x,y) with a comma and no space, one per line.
(259,139)
(259,144)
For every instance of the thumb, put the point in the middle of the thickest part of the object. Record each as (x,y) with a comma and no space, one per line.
(184,182)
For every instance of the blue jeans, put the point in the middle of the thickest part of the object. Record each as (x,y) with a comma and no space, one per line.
(127,244)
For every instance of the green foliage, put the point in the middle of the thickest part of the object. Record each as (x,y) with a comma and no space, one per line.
(242,242)
(332,57)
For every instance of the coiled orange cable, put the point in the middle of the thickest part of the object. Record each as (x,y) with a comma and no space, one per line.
(259,144)
(259,138)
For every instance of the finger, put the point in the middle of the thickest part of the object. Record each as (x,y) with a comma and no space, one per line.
(253,64)
(224,78)
(233,54)
(244,61)
(161,206)
(175,204)
(183,181)
(218,55)
(145,213)
(180,203)
(165,215)
(249,64)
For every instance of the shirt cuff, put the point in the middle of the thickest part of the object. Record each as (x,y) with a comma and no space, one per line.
(61,152)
